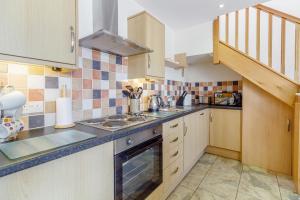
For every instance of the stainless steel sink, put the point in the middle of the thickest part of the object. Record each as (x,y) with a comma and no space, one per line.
(18,149)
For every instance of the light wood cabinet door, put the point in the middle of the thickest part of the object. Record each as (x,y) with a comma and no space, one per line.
(88,175)
(38,29)
(204,130)
(146,30)
(225,129)
(190,145)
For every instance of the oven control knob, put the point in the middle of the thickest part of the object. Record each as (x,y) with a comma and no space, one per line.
(155,131)
(129,141)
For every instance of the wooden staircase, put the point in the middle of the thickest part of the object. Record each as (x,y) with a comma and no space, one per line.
(263,45)
(256,43)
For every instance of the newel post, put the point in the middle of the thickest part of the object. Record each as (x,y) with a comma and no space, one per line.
(216,39)
(296,145)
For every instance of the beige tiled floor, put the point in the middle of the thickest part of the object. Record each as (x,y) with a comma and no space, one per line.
(217,178)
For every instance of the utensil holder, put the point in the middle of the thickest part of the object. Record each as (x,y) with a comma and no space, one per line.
(135,106)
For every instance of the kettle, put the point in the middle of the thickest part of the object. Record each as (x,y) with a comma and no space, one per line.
(155,102)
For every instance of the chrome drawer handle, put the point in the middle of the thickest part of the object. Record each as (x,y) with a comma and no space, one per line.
(175,172)
(175,154)
(72,39)
(202,114)
(175,140)
(174,126)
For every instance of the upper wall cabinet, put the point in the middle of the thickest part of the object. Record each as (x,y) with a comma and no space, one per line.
(38,31)
(145,30)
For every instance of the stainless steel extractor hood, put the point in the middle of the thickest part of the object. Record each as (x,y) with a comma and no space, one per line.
(105,37)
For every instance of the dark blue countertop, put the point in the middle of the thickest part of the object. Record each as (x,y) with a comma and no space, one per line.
(8,166)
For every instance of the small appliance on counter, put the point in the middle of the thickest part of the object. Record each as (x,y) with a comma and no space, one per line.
(180,101)
(228,98)
(155,102)
(134,95)
(11,106)
(187,100)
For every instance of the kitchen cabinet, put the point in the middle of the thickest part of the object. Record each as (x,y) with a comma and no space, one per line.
(195,138)
(172,155)
(147,31)
(225,129)
(88,174)
(38,31)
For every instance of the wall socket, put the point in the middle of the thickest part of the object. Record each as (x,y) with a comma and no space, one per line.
(33,107)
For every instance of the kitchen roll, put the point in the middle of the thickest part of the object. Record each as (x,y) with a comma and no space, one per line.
(64,112)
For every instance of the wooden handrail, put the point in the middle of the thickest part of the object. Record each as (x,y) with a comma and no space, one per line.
(278,13)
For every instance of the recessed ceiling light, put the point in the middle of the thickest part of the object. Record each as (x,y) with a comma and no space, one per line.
(221,5)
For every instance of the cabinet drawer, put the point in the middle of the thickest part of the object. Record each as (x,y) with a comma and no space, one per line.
(172,127)
(172,176)
(172,155)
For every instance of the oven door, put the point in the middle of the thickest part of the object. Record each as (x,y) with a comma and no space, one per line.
(138,171)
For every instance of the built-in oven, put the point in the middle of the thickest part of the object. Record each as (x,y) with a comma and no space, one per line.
(138,164)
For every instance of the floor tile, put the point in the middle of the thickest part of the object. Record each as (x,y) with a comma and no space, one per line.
(258,184)
(195,177)
(203,194)
(208,159)
(287,188)
(181,193)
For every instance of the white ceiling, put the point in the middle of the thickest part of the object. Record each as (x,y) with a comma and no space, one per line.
(181,14)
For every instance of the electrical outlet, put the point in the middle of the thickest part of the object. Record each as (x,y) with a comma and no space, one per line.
(33,107)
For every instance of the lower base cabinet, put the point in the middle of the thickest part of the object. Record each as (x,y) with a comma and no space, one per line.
(88,174)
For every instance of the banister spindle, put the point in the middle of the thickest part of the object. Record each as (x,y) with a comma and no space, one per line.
(227,29)
(237,29)
(270,40)
(283,33)
(247,30)
(258,34)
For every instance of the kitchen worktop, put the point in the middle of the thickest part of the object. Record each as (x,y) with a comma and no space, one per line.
(8,166)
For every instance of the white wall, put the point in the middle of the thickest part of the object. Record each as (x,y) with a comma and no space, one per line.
(85,18)
(202,69)
(127,8)
(195,40)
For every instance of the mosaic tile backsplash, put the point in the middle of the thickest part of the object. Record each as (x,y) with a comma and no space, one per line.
(95,88)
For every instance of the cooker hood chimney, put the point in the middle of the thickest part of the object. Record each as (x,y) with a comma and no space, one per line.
(105,37)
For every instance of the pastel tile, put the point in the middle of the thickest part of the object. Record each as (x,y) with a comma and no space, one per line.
(36,82)
(77,73)
(77,105)
(25,119)
(97,113)
(104,75)
(96,103)
(86,53)
(77,115)
(112,102)
(51,94)
(105,57)
(97,84)
(87,84)
(50,119)
(96,74)
(76,83)
(87,94)
(36,121)
(105,66)
(96,65)
(119,60)
(33,107)
(96,94)
(87,104)
(51,82)
(65,81)
(96,55)
(50,107)
(87,114)
(36,70)
(35,94)
(76,94)
(17,80)
(104,84)
(87,63)
(87,74)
